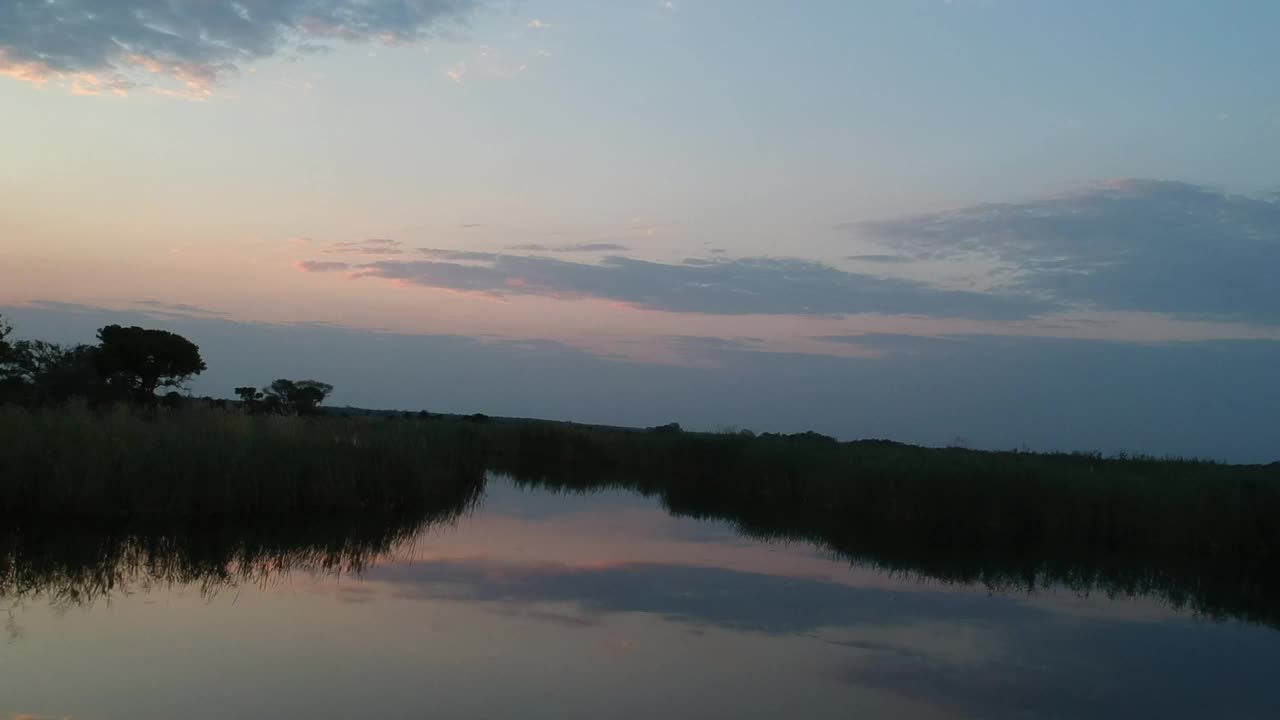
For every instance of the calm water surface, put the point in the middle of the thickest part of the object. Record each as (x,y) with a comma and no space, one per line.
(540,605)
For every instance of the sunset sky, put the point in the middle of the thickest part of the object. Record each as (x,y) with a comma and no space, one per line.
(1052,225)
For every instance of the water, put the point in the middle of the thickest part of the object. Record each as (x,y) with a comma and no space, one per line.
(539,605)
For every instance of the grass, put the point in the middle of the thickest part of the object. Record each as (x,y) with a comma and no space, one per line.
(73,463)
(1197,534)
(951,496)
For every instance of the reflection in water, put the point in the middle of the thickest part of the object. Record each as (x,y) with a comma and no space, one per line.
(698,595)
(84,567)
(545,604)
(1006,539)
(81,565)
(1221,590)
(965,654)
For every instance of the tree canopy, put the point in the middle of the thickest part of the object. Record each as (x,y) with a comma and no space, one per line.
(142,360)
(5,349)
(296,397)
(285,397)
(130,364)
(9,385)
(249,395)
(37,371)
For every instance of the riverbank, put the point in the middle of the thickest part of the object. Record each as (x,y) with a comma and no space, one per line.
(1198,534)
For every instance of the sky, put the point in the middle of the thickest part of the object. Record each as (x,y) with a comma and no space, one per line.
(993,223)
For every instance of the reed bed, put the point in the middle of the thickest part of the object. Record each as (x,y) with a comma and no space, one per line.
(1197,534)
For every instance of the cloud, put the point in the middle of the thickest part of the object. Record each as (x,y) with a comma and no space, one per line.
(312,49)
(372,246)
(110,44)
(891,259)
(320,266)
(91,84)
(771,286)
(702,342)
(1130,245)
(443,254)
(572,248)
(163,307)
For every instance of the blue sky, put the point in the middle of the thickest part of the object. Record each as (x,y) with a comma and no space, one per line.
(643,190)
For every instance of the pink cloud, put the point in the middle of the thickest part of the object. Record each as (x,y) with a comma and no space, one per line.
(36,73)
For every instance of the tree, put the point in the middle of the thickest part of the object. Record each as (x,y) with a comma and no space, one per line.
(10,387)
(5,348)
(29,361)
(295,397)
(249,396)
(141,360)
(38,372)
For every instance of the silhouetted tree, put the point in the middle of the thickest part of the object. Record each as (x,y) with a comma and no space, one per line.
(295,397)
(5,330)
(74,373)
(37,372)
(31,360)
(250,398)
(10,387)
(811,436)
(140,360)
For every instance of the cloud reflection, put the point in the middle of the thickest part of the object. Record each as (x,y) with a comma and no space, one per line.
(698,595)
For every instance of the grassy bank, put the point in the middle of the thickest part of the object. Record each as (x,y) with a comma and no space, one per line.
(953,496)
(126,465)
(1200,535)
(1197,535)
